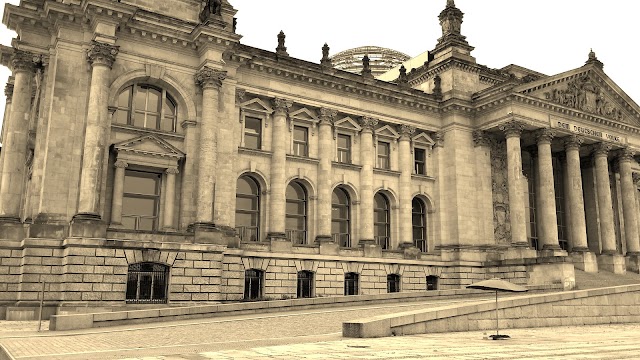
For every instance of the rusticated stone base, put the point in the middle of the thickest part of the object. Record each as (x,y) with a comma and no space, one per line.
(614,263)
(585,261)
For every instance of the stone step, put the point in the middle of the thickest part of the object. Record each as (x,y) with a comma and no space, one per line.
(586,280)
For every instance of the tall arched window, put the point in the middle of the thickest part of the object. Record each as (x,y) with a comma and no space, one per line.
(419,222)
(381,220)
(340,217)
(248,209)
(146,106)
(296,213)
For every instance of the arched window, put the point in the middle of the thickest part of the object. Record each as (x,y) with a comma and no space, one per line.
(253,281)
(248,209)
(393,283)
(351,283)
(381,220)
(305,284)
(340,217)
(147,283)
(419,222)
(146,106)
(296,213)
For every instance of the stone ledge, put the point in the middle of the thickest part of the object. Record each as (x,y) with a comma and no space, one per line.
(103,319)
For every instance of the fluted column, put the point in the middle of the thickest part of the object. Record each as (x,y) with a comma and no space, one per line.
(577,223)
(170,198)
(368,124)
(406,169)
(210,80)
(548,235)
(8,93)
(625,159)
(512,130)
(484,183)
(603,188)
(278,175)
(118,192)
(14,149)
(326,153)
(101,57)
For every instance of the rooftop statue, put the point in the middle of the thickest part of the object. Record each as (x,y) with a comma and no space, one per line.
(211,7)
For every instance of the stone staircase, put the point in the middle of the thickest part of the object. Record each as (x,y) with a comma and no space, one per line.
(586,280)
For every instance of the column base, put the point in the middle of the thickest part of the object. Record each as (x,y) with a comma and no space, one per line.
(13,231)
(87,225)
(632,261)
(327,245)
(519,253)
(584,260)
(370,248)
(279,243)
(552,251)
(276,236)
(614,263)
(324,239)
(410,251)
(209,233)
(520,244)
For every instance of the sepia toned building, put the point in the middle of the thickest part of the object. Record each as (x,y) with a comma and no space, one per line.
(150,157)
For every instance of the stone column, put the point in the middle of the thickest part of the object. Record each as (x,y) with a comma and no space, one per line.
(366,179)
(101,57)
(484,184)
(8,93)
(170,198)
(325,178)
(548,235)
(406,169)
(14,149)
(118,192)
(210,80)
(603,188)
(278,199)
(575,196)
(512,130)
(629,210)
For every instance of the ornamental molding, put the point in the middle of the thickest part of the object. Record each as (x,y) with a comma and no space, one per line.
(625,154)
(25,61)
(368,123)
(544,136)
(102,54)
(327,116)
(512,128)
(481,138)
(208,78)
(406,131)
(281,106)
(601,149)
(149,145)
(573,142)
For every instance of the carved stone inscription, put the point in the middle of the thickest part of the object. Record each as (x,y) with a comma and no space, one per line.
(584,94)
(500,190)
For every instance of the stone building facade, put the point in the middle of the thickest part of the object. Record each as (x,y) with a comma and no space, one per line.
(150,157)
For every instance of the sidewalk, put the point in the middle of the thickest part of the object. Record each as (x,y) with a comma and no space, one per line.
(588,342)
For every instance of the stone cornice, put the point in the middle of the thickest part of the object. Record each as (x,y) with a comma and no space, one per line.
(306,160)
(353,167)
(423,73)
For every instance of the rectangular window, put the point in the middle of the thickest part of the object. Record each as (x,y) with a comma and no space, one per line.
(140,201)
(300,141)
(420,161)
(344,149)
(384,151)
(252,133)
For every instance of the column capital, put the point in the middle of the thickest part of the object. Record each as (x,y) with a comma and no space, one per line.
(8,91)
(481,138)
(102,54)
(636,177)
(240,94)
(209,78)
(573,142)
(512,128)
(438,137)
(601,149)
(281,106)
(24,61)
(625,154)
(121,164)
(172,170)
(327,116)
(368,123)
(406,131)
(545,135)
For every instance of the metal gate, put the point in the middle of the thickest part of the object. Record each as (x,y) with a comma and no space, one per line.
(147,283)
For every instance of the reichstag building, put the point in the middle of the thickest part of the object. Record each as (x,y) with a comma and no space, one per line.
(150,157)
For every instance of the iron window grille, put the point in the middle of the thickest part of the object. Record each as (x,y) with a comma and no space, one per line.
(305,284)
(432,282)
(253,283)
(147,283)
(351,284)
(393,283)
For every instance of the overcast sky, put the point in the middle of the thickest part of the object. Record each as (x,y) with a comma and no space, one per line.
(548,36)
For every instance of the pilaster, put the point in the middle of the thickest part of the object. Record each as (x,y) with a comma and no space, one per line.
(484,183)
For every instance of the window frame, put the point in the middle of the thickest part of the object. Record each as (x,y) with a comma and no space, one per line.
(296,142)
(432,282)
(131,109)
(348,150)
(339,237)
(241,230)
(424,247)
(354,281)
(393,283)
(305,232)
(163,274)
(247,291)
(383,240)
(383,157)
(416,162)
(300,284)
(157,197)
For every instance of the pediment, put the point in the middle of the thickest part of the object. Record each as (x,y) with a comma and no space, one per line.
(348,123)
(149,145)
(586,89)
(304,114)
(387,131)
(423,138)
(256,104)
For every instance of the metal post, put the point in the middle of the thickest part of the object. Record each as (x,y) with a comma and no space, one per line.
(41,305)
(497,326)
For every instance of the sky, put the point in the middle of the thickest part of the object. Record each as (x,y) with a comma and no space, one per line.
(548,36)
